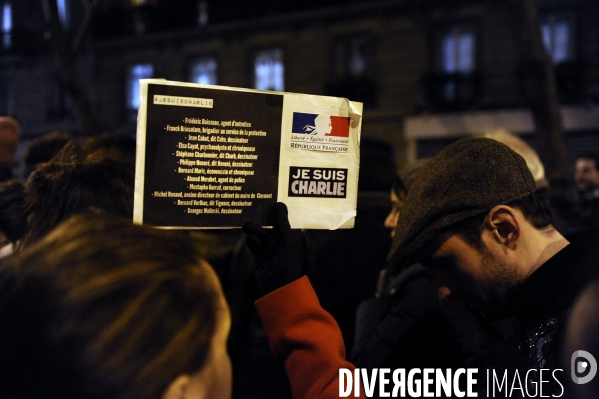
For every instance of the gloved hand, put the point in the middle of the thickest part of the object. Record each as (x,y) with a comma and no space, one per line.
(279,253)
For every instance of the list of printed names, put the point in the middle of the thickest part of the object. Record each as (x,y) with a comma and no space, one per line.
(215,158)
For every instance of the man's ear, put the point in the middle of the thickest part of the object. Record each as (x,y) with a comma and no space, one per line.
(503,224)
(178,388)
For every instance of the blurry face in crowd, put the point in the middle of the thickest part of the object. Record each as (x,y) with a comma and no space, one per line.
(397,202)
(586,174)
(215,379)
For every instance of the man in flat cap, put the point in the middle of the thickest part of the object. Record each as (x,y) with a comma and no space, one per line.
(473,217)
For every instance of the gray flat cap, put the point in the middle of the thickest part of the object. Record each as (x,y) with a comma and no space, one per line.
(467,178)
(408,173)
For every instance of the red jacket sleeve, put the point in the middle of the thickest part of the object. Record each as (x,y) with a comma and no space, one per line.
(308,337)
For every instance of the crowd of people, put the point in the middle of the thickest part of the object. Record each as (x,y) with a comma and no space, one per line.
(472,259)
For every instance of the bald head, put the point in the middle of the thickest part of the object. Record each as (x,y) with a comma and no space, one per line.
(9,139)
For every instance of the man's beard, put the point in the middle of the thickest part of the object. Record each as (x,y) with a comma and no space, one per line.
(501,279)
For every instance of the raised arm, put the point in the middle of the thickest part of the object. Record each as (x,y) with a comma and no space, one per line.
(298,328)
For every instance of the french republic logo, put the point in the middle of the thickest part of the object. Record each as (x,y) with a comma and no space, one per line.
(320,125)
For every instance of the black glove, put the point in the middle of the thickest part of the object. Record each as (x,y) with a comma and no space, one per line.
(279,253)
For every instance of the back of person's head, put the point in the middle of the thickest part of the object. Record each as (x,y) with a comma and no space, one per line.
(102,308)
(115,146)
(57,190)
(533,161)
(43,149)
(12,198)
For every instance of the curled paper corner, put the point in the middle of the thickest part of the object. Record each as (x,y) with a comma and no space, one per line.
(346,221)
(352,111)
(354,114)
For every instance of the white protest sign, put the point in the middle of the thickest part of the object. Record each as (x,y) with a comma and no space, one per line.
(217,157)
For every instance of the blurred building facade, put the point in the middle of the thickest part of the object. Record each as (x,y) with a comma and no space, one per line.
(428,71)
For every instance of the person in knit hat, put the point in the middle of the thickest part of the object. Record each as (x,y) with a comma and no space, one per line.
(9,140)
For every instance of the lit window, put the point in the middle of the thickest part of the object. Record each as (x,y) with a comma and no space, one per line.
(203,71)
(458,46)
(203,13)
(557,30)
(7,25)
(455,61)
(357,59)
(63,12)
(269,70)
(352,57)
(139,71)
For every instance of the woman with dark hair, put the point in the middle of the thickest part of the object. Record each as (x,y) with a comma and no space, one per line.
(101,308)
(60,189)
(12,223)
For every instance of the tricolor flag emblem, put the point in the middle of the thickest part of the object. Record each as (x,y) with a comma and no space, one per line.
(320,125)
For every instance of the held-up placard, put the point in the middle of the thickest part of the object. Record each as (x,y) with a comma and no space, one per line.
(217,157)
